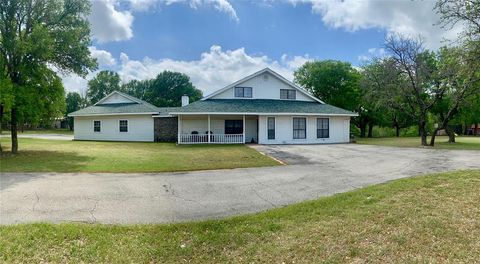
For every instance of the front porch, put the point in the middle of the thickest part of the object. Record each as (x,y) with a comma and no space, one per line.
(217,129)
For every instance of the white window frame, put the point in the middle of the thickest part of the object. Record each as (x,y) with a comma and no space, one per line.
(93,122)
(306,127)
(275,127)
(316,131)
(288,90)
(243,87)
(120,120)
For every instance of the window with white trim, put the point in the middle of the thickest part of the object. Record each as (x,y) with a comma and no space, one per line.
(271,127)
(299,128)
(323,128)
(123,125)
(288,94)
(96,126)
(243,92)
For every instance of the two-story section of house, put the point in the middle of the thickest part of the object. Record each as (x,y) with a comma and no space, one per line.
(262,108)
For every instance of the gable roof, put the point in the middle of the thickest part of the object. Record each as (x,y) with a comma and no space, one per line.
(280,77)
(137,106)
(260,106)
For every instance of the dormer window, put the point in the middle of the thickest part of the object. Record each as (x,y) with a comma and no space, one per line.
(243,92)
(288,94)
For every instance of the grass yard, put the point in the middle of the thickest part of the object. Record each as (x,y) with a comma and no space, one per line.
(441,142)
(433,218)
(40,155)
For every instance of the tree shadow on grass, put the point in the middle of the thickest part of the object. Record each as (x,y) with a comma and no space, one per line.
(18,168)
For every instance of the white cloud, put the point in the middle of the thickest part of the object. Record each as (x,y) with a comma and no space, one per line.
(109,24)
(104,58)
(372,53)
(221,5)
(215,68)
(404,17)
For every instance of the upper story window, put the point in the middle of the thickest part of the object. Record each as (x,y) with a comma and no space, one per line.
(123,125)
(96,126)
(288,94)
(243,92)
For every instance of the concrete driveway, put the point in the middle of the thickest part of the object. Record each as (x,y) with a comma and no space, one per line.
(315,171)
(44,136)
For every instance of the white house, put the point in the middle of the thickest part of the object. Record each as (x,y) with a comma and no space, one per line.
(262,108)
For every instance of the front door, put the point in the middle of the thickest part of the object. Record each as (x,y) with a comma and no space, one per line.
(233,126)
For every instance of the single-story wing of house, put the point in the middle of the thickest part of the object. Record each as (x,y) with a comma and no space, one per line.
(262,108)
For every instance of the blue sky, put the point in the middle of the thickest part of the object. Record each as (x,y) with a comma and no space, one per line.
(216,42)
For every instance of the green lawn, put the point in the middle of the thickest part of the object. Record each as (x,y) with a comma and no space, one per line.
(441,142)
(39,155)
(432,218)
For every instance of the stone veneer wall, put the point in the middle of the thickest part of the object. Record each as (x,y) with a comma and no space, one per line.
(166,129)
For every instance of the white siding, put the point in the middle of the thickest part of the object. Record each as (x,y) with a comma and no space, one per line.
(140,128)
(116,99)
(339,130)
(263,88)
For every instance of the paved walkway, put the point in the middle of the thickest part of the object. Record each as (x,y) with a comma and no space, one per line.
(317,171)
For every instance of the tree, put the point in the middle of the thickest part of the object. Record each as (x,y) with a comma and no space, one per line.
(458,73)
(338,84)
(420,91)
(334,82)
(36,36)
(74,102)
(165,90)
(380,83)
(101,85)
(467,12)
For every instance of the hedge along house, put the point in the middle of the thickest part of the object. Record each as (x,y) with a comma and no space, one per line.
(262,108)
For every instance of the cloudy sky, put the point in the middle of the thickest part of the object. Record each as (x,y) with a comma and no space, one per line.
(216,42)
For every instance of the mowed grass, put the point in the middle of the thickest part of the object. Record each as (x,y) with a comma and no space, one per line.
(441,142)
(427,219)
(40,155)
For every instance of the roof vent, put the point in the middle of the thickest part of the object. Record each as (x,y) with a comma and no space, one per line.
(265,77)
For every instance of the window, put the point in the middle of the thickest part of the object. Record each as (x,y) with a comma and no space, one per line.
(233,126)
(244,92)
(323,128)
(123,125)
(288,94)
(96,126)
(299,128)
(271,127)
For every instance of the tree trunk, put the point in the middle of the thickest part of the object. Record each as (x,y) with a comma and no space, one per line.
(451,135)
(370,130)
(423,133)
(397,130)
(432,140)
(475,133)
(363,129)
(1,121)
(465,131)
(13,128)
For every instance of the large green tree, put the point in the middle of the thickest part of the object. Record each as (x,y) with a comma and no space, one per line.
(337,83)
(74,102)
(36,36)
(102,84)
(164,90)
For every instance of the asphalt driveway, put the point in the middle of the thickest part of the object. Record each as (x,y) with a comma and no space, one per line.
(313,171)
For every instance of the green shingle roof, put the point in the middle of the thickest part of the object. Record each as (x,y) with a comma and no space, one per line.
(260,106)
(120,108)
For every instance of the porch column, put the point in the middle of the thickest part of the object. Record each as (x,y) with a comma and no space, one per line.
(208,131)
(179,140)
(243,135)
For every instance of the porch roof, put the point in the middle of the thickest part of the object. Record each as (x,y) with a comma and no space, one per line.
(260,106)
